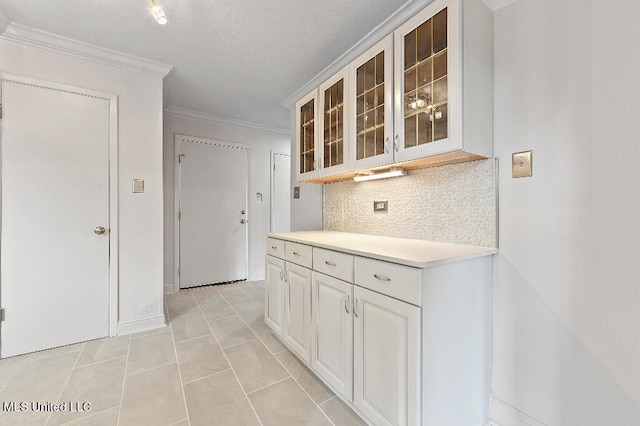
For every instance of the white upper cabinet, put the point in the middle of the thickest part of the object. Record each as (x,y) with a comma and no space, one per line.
(307,137)
(333,113)
(443,81)
(371,104)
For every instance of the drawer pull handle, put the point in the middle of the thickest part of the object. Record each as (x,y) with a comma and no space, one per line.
(346,304)
(381,277)
(295,253)
(274,247)
(330,263)
(355,307)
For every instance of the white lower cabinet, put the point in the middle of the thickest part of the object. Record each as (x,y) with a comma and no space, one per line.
(386,363)
(332,343)
(274,294)
(297,327)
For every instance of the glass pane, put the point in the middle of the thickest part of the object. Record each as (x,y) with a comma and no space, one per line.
(327,127)
(360,104)
(410,80)
(369,74)
(380,68)
(369,143)
(360,147)
(327,156)
(360,80)
(369,100)
(339,117)
(380,115)
(327,99)
(440,91)
(424,128)
(409,50)
(423,97)
(410,104)
(410,132)
(424,41)
(334,126)
(360,124)
(379,140)
(339,150)
(424,73)
(370,119)
(380,94)
(339,91)
(440,123)
(440,65)
(440,31)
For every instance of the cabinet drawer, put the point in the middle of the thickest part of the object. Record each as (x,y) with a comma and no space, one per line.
(275,247)
(398,281)
(333,263)
(299,254)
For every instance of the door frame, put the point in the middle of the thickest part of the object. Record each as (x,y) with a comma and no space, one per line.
(177,182)
(272,200)
(113,180)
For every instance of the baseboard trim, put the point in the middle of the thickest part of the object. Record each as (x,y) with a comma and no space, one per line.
(503,414)
(145,324)
(169,288)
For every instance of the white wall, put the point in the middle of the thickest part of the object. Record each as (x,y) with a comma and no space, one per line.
(259,214)
(140,156)
(567,284)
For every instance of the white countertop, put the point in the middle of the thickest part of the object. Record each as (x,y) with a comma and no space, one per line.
(416,253)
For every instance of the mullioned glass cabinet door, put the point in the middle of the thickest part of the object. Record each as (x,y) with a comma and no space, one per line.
(333,126)
(306,137)
(372,112)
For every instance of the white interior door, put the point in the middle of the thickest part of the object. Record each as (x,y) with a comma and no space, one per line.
(54,269)
(281,200)
(213,212)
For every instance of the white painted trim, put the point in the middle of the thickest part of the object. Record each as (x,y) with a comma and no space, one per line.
(145,324)
(504,414)
(169,288)
(176,205)
(498,4)
(4,21)
(33,37)
(113,183)
(217,119)
(401,15)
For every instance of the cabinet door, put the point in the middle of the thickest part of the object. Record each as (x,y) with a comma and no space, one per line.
(297,329)
(307,137)
(332,332)
(371,106)
(274,294)
(426,80)
(333,125)
(386,363)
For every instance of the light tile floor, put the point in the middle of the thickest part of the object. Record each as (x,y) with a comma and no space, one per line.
(216,364)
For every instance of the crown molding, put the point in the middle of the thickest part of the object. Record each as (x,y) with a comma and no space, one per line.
(217,119)
(405,12)
(400,16)
(33,37)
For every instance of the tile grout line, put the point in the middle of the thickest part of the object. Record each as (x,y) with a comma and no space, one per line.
(124,380)
(270,384)
(231,366)
(66,382)
(175,352)
(207,377)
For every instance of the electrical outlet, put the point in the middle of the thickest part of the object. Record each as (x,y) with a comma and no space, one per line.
(380,206)
(521,164)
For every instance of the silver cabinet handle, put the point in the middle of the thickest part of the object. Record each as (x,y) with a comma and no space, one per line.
(99,230)
(395,143)
(243,221)
(355,307)
(295,253)
(381,277)
(330,263)
(281,277)
(346,304)
(285,276)
(386,145)
(274,247)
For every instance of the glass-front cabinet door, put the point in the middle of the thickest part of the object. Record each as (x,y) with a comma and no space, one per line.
(306,137)
(426,82)
(371,105)
(333,125)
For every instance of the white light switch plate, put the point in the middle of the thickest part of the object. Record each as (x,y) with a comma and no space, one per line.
(138,186)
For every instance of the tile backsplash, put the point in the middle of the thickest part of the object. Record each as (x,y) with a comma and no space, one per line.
(455,203)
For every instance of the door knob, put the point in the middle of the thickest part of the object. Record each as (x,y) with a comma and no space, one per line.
(243,220)
(99,230)
(242,212)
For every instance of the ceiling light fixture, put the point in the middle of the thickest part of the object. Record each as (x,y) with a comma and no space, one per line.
(158,13)
(383,175)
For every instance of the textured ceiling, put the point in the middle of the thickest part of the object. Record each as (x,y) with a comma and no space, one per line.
(237,59)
